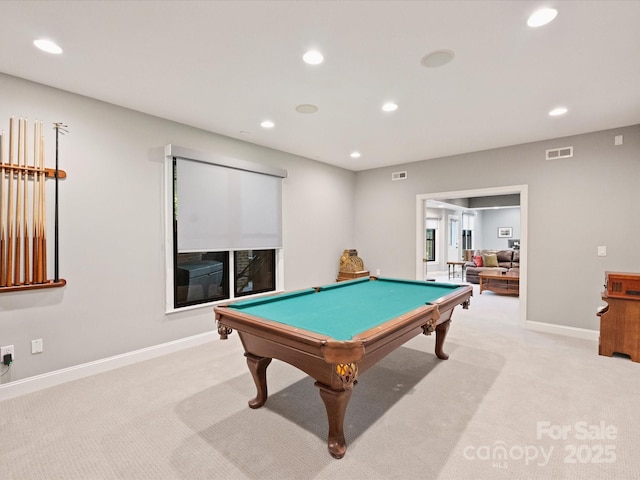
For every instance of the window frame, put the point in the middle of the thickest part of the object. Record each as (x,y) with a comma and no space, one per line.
(170,153)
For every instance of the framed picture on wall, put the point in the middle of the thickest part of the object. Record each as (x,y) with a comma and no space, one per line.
(505,232)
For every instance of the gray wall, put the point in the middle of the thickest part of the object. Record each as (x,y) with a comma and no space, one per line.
(112,236)
(575,205)
(491,220)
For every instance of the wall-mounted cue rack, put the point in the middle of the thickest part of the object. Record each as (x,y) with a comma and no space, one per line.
(23,214)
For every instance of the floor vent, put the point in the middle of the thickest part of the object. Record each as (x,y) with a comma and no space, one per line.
(399,175)
(556,153)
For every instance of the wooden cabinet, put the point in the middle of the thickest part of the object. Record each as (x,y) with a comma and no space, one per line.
(620,323)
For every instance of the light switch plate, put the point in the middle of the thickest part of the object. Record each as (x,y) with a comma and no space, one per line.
(36,346)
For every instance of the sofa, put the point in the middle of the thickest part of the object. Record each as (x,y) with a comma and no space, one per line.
(497,260)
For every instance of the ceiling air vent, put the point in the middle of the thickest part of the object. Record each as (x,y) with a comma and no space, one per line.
(556,153)
(399,175)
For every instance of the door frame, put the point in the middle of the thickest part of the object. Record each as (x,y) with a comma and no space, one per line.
(522,190)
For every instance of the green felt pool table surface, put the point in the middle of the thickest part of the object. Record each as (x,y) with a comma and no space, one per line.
(343,310)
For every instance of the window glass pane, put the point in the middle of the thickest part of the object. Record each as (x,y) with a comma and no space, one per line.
(255,271)
(466,239)
(453,238)
(201,277)
(431,244)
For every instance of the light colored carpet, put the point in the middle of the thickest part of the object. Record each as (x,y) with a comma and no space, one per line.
(485,413)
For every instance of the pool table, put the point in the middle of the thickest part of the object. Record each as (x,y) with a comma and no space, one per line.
(336,332)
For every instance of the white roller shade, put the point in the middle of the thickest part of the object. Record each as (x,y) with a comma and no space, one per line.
(433,223)
(468,221)
(225,208)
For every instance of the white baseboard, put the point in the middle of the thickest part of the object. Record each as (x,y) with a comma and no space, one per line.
(563,330)
(57,377)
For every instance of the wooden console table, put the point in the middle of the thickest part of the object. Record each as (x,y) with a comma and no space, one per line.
(451,267)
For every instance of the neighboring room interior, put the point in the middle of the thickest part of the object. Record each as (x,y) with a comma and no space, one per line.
(480,217)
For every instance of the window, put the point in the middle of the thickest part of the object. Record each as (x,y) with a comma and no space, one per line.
(201,277)
(453,236)
(468,222)
(466,239)
(254,272)
(226,218)
(431,244)
(431,238)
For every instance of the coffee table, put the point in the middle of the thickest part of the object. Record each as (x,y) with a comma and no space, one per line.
(504,283)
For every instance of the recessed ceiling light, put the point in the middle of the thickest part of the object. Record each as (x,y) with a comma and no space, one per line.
(267,124)
(542,17)
(437,58)
(313,57)
(390,107)
(306,108)
(558,111)
(47,46)
(355,155)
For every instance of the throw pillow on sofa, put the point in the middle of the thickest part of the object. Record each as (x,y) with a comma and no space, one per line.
(490,260)
(477,260)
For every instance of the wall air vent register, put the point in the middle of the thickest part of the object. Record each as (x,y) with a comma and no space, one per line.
(557,153)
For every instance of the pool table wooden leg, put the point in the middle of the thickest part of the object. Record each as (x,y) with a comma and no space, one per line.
(441,335)
(335,402)
(258,368)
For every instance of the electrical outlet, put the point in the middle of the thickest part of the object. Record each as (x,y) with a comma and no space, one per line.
(5,351)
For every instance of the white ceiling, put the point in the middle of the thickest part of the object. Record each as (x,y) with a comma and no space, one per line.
(224,66)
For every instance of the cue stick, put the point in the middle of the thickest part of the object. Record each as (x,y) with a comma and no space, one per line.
(19,209)
(3,216)
(25,206)
(37,277)
(37,128)
(58,126)
(9,264)
(43,217)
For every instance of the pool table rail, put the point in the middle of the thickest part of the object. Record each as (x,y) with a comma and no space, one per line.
(425,319)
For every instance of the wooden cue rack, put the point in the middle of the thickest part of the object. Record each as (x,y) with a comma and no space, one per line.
(23,234)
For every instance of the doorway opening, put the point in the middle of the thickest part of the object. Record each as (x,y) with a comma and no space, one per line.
(421,231)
